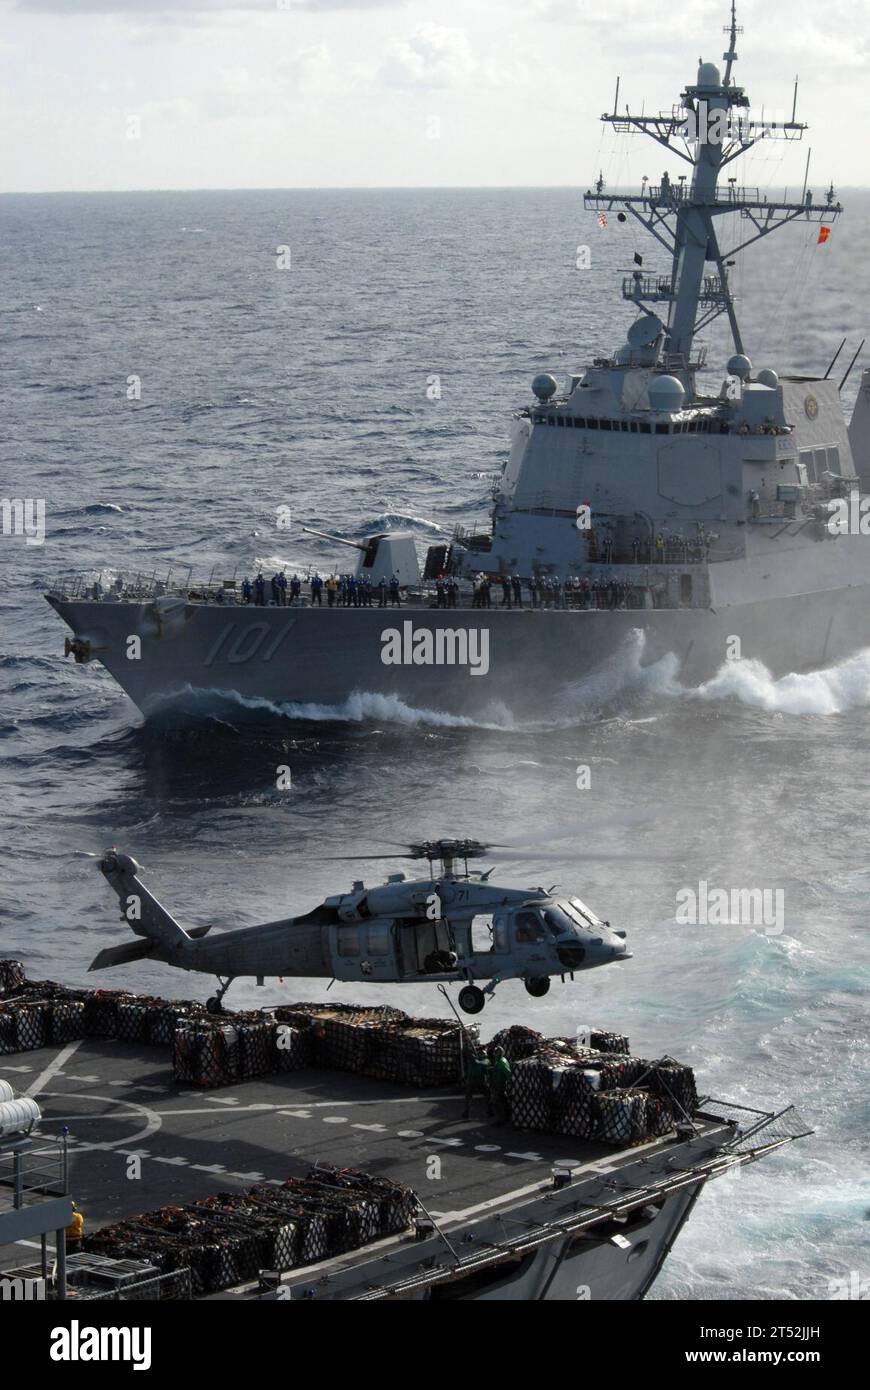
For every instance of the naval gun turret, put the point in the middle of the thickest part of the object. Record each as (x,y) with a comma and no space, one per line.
(381,555)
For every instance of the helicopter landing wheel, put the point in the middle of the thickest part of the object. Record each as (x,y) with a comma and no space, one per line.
(538,986)
(215,1005)
(471,999)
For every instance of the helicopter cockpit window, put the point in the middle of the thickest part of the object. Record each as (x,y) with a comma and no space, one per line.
(557,925)
(528,927)
(579,912)
(348,941)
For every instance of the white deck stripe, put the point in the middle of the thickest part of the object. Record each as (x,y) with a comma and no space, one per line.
(52,1069)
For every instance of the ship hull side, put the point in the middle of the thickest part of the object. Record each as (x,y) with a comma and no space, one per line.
(538,664)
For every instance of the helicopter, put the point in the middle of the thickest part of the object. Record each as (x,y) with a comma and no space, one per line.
(452,926)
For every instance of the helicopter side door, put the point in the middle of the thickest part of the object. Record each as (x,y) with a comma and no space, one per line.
(364,950)
(424,948)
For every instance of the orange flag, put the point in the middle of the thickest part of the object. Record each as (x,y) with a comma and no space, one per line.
(824,233)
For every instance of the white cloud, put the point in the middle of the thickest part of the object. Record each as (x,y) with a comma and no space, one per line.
(431,57)
(438,57)
(175,9)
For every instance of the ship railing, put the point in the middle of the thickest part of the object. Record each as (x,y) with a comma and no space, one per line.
(177,1284)
(28,1173)
(138,586)
(766,512)
(655,287)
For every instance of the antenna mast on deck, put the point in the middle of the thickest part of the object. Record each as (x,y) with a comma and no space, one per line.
(709,128)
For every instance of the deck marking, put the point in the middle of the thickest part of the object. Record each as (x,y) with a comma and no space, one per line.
(410,1133)
(53,1068)
(532,1158)
(375,1129)
(449,1143)
(335,1120)
(247,1177)
(178,1162)
(487,1148)
(7,1068)
(209,1167)
(151,1118)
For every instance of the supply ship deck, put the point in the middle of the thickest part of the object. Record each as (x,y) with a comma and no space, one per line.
(503,1213)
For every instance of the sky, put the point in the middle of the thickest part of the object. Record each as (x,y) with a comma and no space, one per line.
(144,94)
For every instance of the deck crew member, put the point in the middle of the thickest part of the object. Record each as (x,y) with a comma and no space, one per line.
(282,588)
(517,587)
(316,589)
(295,588)
(477,1081)
(331,590)
(395,597)
(260,587)
(499,1085)
(246,590)
(74,1231)
(382,591)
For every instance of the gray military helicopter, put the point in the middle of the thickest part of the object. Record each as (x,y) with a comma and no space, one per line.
(454,925)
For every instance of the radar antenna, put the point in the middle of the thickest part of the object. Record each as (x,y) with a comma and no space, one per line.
(708,129)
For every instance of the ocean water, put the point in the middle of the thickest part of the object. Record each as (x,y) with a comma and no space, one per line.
(307,387)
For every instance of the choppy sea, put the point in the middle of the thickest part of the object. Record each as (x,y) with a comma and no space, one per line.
(310,387)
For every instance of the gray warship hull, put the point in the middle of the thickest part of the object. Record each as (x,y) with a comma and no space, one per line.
(539,663)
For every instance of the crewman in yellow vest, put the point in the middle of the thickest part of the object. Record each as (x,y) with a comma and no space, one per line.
(74,1231)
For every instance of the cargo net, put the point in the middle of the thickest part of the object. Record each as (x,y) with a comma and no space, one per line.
(609,1097)
(11,976)
(228,1238)
(384,1043)
(756,1129)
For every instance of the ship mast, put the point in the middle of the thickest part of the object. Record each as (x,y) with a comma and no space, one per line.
(707,130)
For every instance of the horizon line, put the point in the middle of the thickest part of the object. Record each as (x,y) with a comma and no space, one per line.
(334,188)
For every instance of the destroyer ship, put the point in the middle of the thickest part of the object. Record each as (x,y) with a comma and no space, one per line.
(640,514)
(321,1152)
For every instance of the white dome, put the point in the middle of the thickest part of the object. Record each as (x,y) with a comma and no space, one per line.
(666,394)
(768,377)
(739,366)
(544,386)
